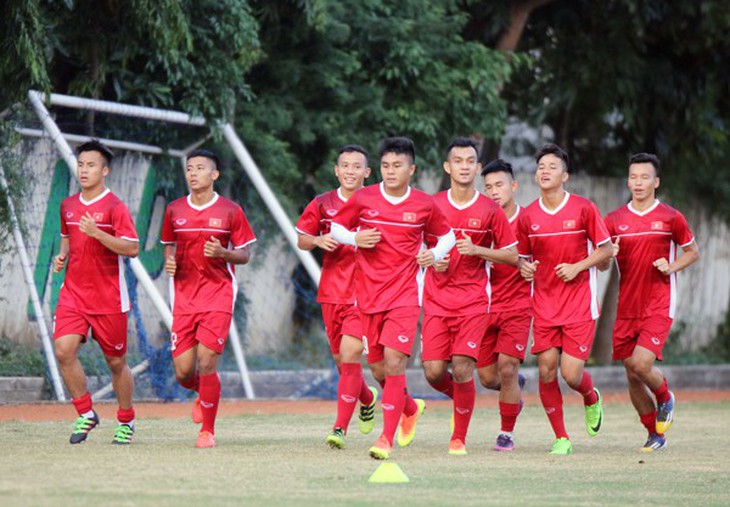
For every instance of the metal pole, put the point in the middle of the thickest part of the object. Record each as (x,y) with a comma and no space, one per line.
(241,361)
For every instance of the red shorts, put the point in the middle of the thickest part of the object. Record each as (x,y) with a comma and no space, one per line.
(444,337)
(648,332)
(507,333)
(574,339)
(341,320)
(109,330)
(209,328)
(395,329)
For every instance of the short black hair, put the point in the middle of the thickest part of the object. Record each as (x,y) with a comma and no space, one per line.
(462,142)
(399,146)
(641,158)
(498,166)
(95,145)
(553,149)
(201,152)
(354,148)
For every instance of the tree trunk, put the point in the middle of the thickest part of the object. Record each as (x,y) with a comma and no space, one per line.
(519,13)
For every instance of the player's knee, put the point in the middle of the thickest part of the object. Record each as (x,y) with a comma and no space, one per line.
(572,378)
(463,372)
(65,354)
(547,373)
(637,367)
(433,373)
(507,371)
(488,379)
(116,364)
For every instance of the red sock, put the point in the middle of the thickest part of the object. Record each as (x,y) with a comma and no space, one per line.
(210,395)
(586,389)
(662,392)
(394,398)
(410,407)
(348,390)
(193,385)
(552,401)
(83,403)
(464,396)
(445,385)
(366,396)
(649,421)
(508,412)
(125,415)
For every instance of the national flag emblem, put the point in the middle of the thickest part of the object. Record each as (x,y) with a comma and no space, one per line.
(568,224)
(215,222)
(657,226)
(409,217)
(474,223)
(98,217)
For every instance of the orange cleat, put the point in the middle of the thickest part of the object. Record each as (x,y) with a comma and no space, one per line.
(206,440)
(197,412)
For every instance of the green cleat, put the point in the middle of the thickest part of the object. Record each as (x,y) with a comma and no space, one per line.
(594,416)
(336,438)
(123,434)
(366,419)
(82,427)
(562,446)
(381,449)
(407,427)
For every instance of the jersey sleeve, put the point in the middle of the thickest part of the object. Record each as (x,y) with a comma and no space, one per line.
(503,235)
(64,227)
(608,222)
(523,241)
(681,234)
(123,224)
(437,224)
(167,237)
(309,221)
(594,224)
(349,215)
(241,233)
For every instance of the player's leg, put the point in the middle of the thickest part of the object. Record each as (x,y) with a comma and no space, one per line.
(210,393)
(643,402)
(436,354)
(510,400)
(552,399)
(438,376)
(349,389)
(487,360)
(464,399)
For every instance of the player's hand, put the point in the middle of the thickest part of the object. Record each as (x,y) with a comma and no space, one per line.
(367,238)
(326,242)
(213,248)
(425,258)
(527,269)
(170,265)
(465,245)
(615,247)
(566,272)
(87,225)
(663,266)
(443,264)
(59,262)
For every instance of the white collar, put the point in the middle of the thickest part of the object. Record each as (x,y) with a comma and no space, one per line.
(517,212)
(646,211)
(204,206)
(462,206)
(560,206)
(391,199)
(95,199)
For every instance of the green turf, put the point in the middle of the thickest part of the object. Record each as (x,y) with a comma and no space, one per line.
(283,460)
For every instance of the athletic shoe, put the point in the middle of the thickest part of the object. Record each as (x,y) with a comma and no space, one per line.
(665,414)
(82,427)
(562,446)
(654,443)
(457,448)
(336,438)
(504,442)
(123,434)
(206,440)
(366,419)
(381,449)
(452,424)
(407,427)
(594,416)
(197,411)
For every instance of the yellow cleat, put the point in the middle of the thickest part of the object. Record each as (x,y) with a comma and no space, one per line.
(407,428)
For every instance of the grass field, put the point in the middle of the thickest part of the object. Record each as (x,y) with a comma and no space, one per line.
(281,460)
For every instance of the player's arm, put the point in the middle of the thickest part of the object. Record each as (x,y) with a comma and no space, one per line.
(170,263)
(690,255)
(603,266)
(567,272)
(507,255)
(59,261)
(214,250)
(429,257)
(309,242)
(120,246)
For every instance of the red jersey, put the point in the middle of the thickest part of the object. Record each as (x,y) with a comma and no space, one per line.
(388,275)
(508,290)
(338,267)
(462,288)
(95,282)
(567,234)
(645,237)
(203,284)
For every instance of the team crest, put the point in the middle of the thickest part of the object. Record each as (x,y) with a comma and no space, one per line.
(657,226)
(534,227)
(568,224)
(402,338)
(475,223)
(655,340)
(373,212)
(98,217)
(409,217)
(215,222)
(180,221)
(519,347)
(472,345)
(623,228)
(331,212)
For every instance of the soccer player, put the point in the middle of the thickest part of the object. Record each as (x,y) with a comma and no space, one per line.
(456,300)
(565,238)
(646,233)
(96,232)
(336,293)
(510,314)
(204,235)
(392,218)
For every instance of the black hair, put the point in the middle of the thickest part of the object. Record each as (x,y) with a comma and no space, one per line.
(95,145)
(640,158)
(399,146)
(553,149)
(462,142)
(200,152)
(498,166)
(354,148)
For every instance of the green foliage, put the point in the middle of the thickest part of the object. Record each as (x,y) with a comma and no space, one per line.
(18,360)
